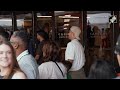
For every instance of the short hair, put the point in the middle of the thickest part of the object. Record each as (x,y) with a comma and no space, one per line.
(23,36)
(43,34)
(4,34)
(102,69)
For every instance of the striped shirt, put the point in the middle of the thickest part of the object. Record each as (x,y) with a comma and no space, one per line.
(28,65)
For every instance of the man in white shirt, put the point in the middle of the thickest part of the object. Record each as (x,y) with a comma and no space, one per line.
(25,60)
(75,54)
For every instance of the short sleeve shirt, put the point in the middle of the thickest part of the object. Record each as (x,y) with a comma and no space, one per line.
(75,52)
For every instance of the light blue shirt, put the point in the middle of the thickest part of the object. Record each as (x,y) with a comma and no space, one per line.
(28,65)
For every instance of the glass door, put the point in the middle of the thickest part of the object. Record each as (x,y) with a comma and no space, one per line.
(99,37)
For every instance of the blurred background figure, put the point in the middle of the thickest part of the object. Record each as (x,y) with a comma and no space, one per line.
(4,35)
(41,37)
(102,69)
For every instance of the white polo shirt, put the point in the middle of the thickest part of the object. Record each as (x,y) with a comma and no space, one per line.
(75,52)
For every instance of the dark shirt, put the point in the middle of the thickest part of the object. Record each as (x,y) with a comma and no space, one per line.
(39,52)
(31,48)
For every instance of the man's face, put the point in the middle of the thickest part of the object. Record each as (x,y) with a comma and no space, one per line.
(70,35)
(14,42)
(5,55)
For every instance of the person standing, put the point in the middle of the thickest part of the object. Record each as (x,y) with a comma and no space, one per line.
(26,61)
(54,66)
(9,68)
(42,38)
(75,54)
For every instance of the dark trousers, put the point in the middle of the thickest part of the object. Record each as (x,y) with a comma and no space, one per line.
(79,74)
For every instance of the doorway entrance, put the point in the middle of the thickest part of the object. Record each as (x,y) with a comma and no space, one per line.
(100,38)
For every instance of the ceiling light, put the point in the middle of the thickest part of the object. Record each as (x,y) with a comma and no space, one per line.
(88,17)
(66,24)
(66,20)
(65,28)
(68,17)
(44,16)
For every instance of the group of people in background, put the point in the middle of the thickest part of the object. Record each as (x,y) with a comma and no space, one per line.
(97,37)
(17,61)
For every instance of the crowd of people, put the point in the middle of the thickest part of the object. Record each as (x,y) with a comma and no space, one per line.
(48,62)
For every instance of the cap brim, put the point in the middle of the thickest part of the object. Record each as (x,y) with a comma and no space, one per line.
(78,38)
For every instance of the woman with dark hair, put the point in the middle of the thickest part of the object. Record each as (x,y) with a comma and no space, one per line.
(54,65)
(102,69)
(9,68)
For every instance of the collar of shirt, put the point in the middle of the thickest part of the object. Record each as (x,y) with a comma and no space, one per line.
(22,54)
(75,39)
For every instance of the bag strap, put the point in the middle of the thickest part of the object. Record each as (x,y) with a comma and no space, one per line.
(59,69)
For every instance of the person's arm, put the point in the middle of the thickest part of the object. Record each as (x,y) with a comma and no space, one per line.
(118,58)
(69,53)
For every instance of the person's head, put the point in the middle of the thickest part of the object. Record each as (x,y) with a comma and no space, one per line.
(41,35)
(102,69)
(2,29)
(19,41)
(51,51)
(74,33)
(4,36)
(46,27)
(7,58)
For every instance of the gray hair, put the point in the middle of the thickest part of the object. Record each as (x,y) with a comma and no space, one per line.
(22,35)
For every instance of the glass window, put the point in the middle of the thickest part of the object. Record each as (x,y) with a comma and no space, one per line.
(64,20)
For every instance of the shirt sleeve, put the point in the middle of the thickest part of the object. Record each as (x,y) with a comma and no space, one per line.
(69,53)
